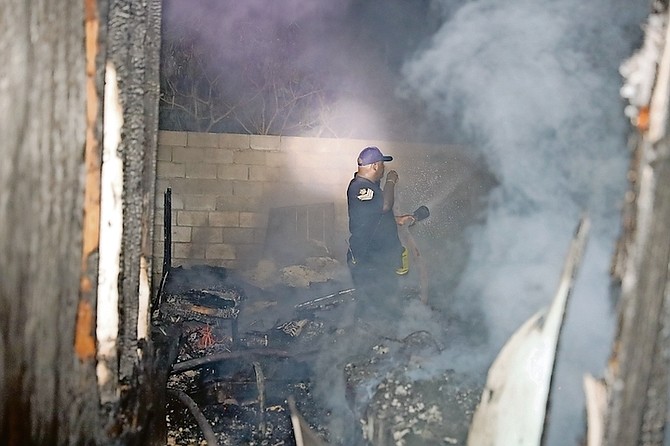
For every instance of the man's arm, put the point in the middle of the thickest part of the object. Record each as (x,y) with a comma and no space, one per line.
(389,190)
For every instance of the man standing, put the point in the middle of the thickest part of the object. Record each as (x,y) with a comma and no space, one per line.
(374,247)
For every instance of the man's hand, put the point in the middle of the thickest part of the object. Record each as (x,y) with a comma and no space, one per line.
(402,220)
(392,176)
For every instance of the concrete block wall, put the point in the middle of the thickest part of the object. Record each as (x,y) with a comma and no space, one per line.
(223,186)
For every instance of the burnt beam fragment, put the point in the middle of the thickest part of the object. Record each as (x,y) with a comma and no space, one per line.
(251,354)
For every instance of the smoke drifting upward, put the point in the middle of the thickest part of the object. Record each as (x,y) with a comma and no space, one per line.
(340,58)
(540,101)
(534,87)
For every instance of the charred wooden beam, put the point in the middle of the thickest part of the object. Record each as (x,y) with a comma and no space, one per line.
(166,348)
(167,247)
(260,384)
(250,354)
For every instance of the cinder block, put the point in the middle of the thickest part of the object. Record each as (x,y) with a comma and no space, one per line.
(170,138)
(249,157)
(218,156)
(177,201)
(233,203)
(180,234)
(165,169)
(224,218)
(203,139)
(235,236)
(164,153)
(234,141)
(312,160)
(248,188)
(253,220)
(263,173)
(192,218)
(264,142)
(289,174)
(233,171)
(220,251)
(300,145)
(330,146)
(206,155)
(207,235)
(190,155)
(192,186)
(276,159)
(200,170)
(296,144)
(188,251)
(200,202)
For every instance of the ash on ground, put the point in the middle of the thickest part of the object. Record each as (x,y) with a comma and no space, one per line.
(355,382)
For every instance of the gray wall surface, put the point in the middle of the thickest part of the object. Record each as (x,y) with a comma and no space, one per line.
(225,185)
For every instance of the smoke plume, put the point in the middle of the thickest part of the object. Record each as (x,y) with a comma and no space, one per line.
(533,86)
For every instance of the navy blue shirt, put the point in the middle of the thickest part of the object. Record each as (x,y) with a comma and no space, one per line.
(374,234)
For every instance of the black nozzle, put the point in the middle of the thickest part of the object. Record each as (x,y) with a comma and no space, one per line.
(421,213)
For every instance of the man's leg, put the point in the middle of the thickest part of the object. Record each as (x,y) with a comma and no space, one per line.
(365,284)
(386,296)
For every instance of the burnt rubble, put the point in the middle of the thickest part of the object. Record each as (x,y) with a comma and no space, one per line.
(246,352)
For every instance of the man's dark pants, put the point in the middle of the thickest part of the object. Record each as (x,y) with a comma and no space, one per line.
(376,290)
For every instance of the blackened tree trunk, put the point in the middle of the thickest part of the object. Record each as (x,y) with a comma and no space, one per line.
(54,123)
(639,369)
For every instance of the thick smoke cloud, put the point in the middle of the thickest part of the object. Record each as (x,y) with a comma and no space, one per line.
(531,86)
(534,87)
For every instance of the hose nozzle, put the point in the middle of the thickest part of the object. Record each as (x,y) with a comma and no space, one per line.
(421,213)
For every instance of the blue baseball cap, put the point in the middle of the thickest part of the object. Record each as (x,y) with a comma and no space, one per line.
(371,155)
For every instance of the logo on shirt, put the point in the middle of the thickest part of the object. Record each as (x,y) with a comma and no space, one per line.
(365,194)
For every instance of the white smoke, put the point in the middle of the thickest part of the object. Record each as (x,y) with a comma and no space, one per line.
(534,87)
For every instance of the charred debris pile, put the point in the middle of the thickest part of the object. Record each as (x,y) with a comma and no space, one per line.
(289,364)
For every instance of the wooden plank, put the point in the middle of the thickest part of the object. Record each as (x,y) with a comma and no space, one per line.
(514,401)
(640,364)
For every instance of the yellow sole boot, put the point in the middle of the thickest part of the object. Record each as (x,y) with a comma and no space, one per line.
(404,259)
